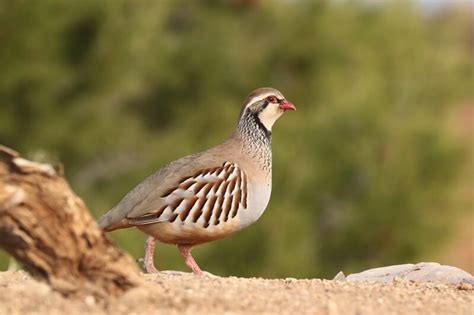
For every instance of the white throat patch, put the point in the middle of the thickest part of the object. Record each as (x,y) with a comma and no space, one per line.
(269,115)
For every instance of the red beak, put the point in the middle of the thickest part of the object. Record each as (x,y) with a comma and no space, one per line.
(285,105)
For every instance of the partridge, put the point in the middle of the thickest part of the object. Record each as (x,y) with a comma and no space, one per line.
(209,195)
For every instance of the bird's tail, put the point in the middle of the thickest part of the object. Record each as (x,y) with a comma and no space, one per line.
(112,220)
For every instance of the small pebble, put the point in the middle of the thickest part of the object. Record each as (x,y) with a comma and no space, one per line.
(340,276)
(464,286)
(89,300)
(398,280)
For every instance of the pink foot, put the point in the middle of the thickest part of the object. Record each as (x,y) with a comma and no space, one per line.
(149,250)
(185,251)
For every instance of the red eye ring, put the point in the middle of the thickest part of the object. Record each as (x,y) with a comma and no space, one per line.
(272,99)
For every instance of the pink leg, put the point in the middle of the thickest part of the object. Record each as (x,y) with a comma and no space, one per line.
(185,251)
(149,250)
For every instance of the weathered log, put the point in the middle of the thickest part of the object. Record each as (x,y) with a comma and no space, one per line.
(44,225)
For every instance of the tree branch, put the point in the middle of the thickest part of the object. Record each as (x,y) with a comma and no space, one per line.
(47,227)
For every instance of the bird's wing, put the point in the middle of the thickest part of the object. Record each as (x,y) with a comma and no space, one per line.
(217,192)
(156,198)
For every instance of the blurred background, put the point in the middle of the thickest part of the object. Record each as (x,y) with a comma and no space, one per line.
(374,168)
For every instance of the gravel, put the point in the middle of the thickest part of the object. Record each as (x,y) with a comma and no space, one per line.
(188,294)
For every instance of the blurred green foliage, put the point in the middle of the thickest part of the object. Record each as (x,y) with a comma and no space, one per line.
(364,171)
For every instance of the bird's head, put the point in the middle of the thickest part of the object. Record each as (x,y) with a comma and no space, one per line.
(265,105)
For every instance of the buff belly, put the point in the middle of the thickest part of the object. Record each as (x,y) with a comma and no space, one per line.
(189,234)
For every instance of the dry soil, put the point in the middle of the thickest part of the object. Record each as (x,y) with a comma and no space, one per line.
(176,294)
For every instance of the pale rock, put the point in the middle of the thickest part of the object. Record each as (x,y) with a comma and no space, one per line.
(421,272)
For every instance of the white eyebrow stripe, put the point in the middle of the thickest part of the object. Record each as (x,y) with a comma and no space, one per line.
(259,98)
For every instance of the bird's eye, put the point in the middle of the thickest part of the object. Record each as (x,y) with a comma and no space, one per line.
(272,99)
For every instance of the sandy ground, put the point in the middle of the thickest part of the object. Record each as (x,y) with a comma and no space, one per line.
(176,294)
